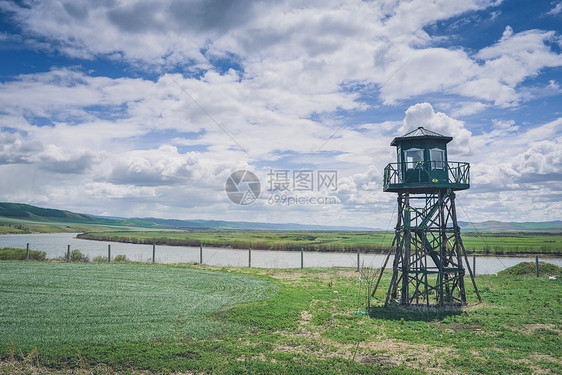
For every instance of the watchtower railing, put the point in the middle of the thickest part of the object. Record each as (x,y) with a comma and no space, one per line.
(437,173)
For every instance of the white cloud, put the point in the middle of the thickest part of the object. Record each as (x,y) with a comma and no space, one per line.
(503,127)
(556,10)
(518,160)
(422,114)
(298,52)
(299,73)
(165,166)
(542,158)
(14,149)
(507,33)
(468,108)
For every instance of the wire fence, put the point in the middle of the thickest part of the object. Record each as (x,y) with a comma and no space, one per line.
(96,251)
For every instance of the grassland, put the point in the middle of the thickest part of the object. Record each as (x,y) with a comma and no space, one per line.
(314,324)
(501,243)
(46,304)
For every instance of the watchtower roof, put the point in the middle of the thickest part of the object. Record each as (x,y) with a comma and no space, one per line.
(421,133)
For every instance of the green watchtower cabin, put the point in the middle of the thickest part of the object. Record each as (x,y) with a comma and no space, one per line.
(429,258)
(423,164)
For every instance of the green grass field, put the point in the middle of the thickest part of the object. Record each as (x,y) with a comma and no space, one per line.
(313,324)
(485,242)
(44,304)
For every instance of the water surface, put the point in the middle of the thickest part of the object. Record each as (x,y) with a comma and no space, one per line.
(56,244)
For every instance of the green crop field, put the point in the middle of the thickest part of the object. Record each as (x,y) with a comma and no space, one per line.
(474,242)
(129,318)
(44,304)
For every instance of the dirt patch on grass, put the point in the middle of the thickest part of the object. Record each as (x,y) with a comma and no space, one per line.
(396,353)
(459,327)
(529,329)
(25,367)
(477,306)
(289,274)
(534,367)
(377,351)
(101,369)
(377,360)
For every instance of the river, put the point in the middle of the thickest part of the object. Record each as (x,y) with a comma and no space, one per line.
(55,245)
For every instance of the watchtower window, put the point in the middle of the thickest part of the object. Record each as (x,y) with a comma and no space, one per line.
(413,157)
(437,157)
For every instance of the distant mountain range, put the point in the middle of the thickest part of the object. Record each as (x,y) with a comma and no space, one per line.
(47,215)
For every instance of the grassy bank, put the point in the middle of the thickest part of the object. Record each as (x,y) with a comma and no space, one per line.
(314,324)
(502,243)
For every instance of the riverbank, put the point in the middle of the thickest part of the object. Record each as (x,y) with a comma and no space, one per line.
(494,244)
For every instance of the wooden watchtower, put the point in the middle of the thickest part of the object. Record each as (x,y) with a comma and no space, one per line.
(428,263)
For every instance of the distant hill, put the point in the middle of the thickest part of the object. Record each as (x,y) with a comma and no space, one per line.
(246,225)
(50,215)
(513,226)
(26,211)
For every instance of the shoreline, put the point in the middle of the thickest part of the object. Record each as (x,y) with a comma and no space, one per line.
(189,243)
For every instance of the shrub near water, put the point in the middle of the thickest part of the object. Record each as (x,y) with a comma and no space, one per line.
(78,257)
(8,253)
(121,258)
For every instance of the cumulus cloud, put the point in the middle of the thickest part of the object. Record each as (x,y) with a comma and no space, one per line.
(518,160)
(294,84)
(307,50)
(542,158)
(422,114)
(361,188)
(14,149)
(58,160)
(163,166)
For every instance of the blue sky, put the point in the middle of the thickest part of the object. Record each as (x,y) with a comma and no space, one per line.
(144,108)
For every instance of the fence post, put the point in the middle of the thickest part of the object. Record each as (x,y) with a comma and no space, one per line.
(68,254)
(108,253)
(27,254)
(302,258)
(250,257)
(474,264)
(537,264)
(358,259)
(201,253)
(153,253)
